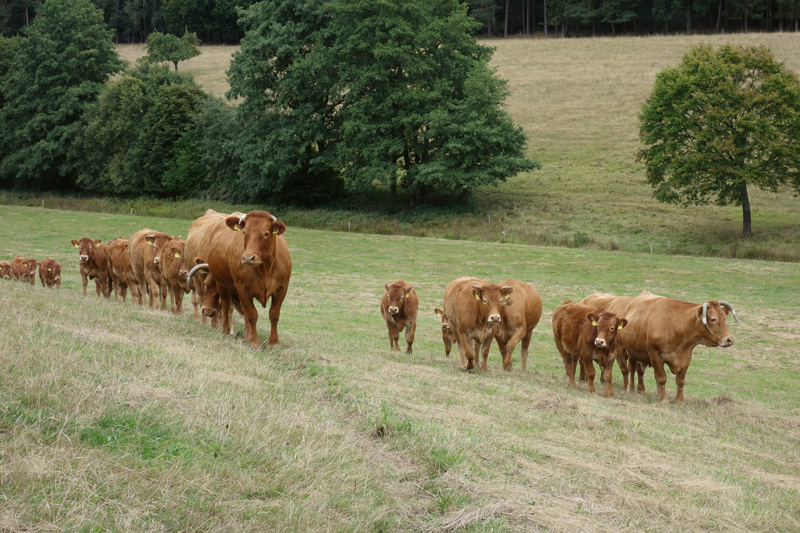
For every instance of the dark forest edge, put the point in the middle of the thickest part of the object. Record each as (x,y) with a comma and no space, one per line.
(216,22)
(461,222)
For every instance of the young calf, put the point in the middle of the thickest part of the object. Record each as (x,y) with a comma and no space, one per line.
(590,334)
(50,273)
(399,309)
(447,335)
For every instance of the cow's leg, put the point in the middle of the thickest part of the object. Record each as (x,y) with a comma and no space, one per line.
(177,300)
(466,350)
(503,346)
(622,361)
(518,335)
(588,367)
(411,329)
(566,357)
(225,311)
(526,341)
(162,292)
(680,379)
(447,339)
(394,336)
(582,377)
(640,368)
(487,344)
(661,376)
(275,314)
(605,377)
(251,317)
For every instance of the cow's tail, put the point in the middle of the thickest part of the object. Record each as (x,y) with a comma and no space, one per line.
(193,270)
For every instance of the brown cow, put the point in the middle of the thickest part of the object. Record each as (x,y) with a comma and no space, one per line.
(31,277)
(23,270)
(615,304)
(519,315)
(50,273)
(587,334)
(447,334)
(399,307)
(121,271)
(174,271)
(195,256)
(144,248)
(665,331)
(472,307)
(248,256)
(94,264)
(5,270)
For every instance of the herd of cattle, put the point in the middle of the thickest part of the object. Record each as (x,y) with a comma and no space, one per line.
(230,260)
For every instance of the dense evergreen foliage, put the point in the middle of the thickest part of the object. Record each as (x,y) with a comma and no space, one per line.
(215,21)
(53,75)
(718,122)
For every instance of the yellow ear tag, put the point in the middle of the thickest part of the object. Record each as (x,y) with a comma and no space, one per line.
(275,231)
(439,314)
(177,255)
(477,297)
(49,269)
(594,323)
(619,327)
(408,294)
(237,227)
(76,246)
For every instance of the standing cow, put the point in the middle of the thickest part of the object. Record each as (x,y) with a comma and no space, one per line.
(21,270)
(665,331)
(399,307)
(519,315)
(5,270)
(144,248)
(94,264)
(173,268)
(589,335)
(50,273)
(121,271)
(249,258)
(472,307)
(447,334)
(617,305)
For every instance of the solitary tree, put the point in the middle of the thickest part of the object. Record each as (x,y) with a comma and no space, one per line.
(54,74)
(168,47)
(719,121)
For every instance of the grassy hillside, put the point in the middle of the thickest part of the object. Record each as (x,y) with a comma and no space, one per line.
(578,101)
(113,416)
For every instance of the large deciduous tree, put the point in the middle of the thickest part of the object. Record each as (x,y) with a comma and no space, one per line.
(168,47)
(719,121)
(54,74)
(370,91)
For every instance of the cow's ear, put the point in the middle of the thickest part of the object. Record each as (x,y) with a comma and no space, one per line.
(386,286)
(98,241)
(74,243)
(438,312)
(622,323)
(278,227)
(198,261)
(409,288)
(235,223)
(477,291)
(150,239)
(592,318)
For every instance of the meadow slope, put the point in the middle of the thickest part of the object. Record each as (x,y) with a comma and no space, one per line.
(114,416)
(578,101)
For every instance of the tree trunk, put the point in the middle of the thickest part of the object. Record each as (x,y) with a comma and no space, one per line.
(719,14)
(505,23)
(747,228)
(545,17)
(394,187)
(687,11)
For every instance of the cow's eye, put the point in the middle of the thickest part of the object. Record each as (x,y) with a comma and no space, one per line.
(713,319)
(485,301)
(266,234)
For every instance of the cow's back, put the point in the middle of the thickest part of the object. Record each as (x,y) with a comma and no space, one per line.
(452,294)
(527,307)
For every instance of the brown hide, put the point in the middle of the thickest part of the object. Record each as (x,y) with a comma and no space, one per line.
(31,275)
(198,242)
(5,270)
(472,307)
(145,246)
(50,273)
(399,307)
(520,313)
(665,331)
(588,334)
(447,334)
(173,268)
(121,271)
(248,256)
(94,264)
(616,304)
(19,269)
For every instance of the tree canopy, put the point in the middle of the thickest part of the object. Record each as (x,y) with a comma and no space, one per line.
(719,121)
(53,75)
(373,91)
(168,47)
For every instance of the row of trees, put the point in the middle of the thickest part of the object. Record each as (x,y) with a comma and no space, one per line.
(353,94)
(216,20)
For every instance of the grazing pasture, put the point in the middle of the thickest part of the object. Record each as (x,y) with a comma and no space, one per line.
(117,416)
(578,101)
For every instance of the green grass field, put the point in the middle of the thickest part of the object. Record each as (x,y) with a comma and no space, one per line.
(117,417)
(578,101)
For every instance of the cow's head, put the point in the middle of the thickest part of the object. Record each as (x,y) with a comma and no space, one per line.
(157,241)
(445,322)
(715,332)
(210,306)
(173,262)
(490,298)
(607,325)
(260,230)
(85,247)
(397,293)
(55,270)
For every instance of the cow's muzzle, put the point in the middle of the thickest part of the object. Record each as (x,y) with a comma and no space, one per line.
(209,312)
(156,260)
(394,310)
(251,259)
(726,342)
(84,258)
(494,319)
(600,343)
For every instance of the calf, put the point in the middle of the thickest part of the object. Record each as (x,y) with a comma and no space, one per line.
(472,307)
(30,277)
(21,269)
(173,269)
(519,315)
(447,334)
(144,248)
(94,264)
(121,271)
(50,273)
(5,270)
(399,307)
(616,304)
(588,334)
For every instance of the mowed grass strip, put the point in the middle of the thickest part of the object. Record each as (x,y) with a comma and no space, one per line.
(578,101)
(114,416)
